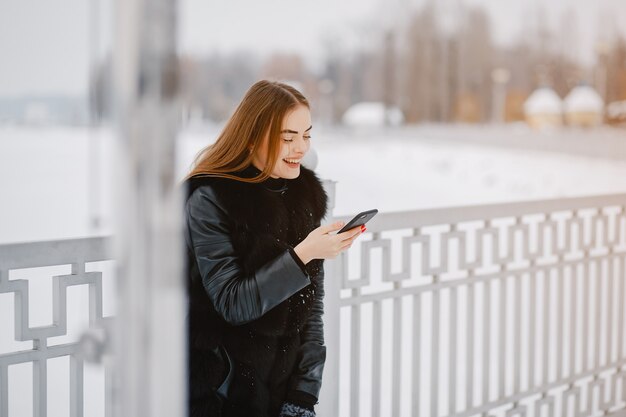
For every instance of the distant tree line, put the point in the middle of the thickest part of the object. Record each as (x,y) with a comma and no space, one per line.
(431,74)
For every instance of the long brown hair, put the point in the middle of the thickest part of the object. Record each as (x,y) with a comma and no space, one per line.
(260,112)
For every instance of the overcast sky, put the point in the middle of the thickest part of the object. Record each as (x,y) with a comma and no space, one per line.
(45,46)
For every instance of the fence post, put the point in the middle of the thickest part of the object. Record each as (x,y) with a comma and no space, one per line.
(150,327)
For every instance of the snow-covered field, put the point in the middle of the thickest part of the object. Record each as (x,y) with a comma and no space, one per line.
(51,188)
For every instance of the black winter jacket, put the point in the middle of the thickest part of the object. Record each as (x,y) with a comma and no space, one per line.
(255,310)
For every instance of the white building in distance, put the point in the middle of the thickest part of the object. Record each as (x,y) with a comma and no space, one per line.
(583,107)
(544,109)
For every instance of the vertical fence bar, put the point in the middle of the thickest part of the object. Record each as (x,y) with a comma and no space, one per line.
(609,310)
(4,391)
(573,321)
(452,352)
(532,327)
(545,363)
(397,354)
(376,349)
(376,357)
(559,327)
(95,306)
(355,356)
(40,387)
(486,342)
(517,375)
(434,351)
(416,371)
(597,314)
(469,379)
(76,387)
(586,365)
(620,320)
(502,338)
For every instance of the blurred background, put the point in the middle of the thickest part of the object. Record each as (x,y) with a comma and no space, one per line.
(415,103)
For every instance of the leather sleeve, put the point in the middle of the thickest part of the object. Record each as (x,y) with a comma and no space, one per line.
(236,296)
(307,375)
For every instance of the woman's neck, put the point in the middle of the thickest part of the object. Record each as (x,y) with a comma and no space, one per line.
(260,170)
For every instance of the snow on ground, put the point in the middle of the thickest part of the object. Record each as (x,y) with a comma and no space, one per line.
(403,173)
(51,188)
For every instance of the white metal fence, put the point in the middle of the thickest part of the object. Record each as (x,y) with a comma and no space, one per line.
(33,259)
(497,310)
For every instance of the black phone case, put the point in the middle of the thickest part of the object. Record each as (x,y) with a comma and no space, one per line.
(359,220)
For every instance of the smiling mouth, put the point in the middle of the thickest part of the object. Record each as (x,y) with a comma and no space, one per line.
(292,161)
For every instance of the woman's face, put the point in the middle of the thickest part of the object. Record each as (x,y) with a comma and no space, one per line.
(294,144)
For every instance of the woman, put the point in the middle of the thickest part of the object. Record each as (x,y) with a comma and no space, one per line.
(255,253)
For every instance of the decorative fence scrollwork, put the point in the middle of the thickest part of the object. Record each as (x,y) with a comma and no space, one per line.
(76,253)
(493,310)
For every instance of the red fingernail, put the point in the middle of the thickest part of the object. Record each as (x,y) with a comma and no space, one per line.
(364,229)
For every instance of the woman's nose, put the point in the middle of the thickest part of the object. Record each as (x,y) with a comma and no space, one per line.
(300,145)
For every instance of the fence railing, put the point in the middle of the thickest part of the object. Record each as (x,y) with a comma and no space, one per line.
(495,310)
(45,343)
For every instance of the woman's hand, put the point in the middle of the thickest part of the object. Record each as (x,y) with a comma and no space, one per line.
(321,244)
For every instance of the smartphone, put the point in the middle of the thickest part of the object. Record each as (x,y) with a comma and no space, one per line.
(359,220)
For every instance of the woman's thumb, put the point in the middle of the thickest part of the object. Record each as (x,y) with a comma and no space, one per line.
(332,226)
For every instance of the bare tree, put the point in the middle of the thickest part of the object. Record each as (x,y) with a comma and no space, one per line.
(421,61)
(616,71)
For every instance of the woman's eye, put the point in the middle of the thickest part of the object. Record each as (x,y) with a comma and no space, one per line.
(290,138)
